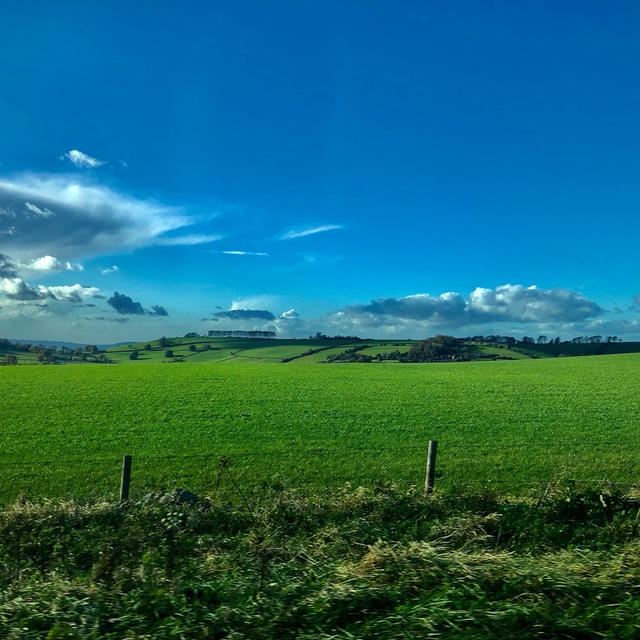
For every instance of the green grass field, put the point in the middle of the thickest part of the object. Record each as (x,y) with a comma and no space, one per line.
(23,357)
(508,424)
(222,349)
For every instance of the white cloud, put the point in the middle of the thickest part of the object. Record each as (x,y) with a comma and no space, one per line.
(70,293)
(289,324)
(262,301)
(530,304)
(50,264)
(18,289)
(289,235)
(45,213)
(83,160)
(186,240)
(111,269)
(243,253)
(514,304)
(89,219)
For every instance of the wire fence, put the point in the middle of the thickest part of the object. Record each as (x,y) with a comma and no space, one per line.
(508,466)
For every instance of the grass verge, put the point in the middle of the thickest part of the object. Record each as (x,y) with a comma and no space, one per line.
(378,563)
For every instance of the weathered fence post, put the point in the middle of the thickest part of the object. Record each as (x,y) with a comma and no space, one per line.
(126,478)
(431,466)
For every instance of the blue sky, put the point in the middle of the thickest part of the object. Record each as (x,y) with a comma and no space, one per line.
(379,168)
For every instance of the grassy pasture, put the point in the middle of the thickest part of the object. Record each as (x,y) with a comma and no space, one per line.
(244,350)
(23,358)
(317,425)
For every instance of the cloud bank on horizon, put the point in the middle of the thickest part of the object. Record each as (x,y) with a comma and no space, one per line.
(68,216)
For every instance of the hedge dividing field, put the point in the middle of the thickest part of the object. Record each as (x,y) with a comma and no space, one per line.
(514,425)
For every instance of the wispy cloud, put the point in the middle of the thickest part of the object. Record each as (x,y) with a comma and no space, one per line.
(89,218)
(45,213)
(82,160)
(111,269)
(243,253)
(186,240)
(301,233)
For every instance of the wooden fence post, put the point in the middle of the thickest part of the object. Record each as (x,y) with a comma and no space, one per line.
(126,478)
(431,466)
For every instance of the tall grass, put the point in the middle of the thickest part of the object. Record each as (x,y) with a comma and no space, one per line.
(360,563)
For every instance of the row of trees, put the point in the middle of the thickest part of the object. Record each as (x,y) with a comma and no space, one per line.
(49,354)
(242,334)
(321,336)
(350,355)
(542,339)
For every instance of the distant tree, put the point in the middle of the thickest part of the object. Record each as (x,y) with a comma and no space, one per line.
(163,342)
(9,359)
(133,355)
(91,348)
(168,353)
(192,334)
(437,348)
(542,339)
(192,347)
(527,340)
(595,339)
(147,347)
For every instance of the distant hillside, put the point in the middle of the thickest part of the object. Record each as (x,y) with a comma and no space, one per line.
(61,343)
(194,348)
(201,349)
